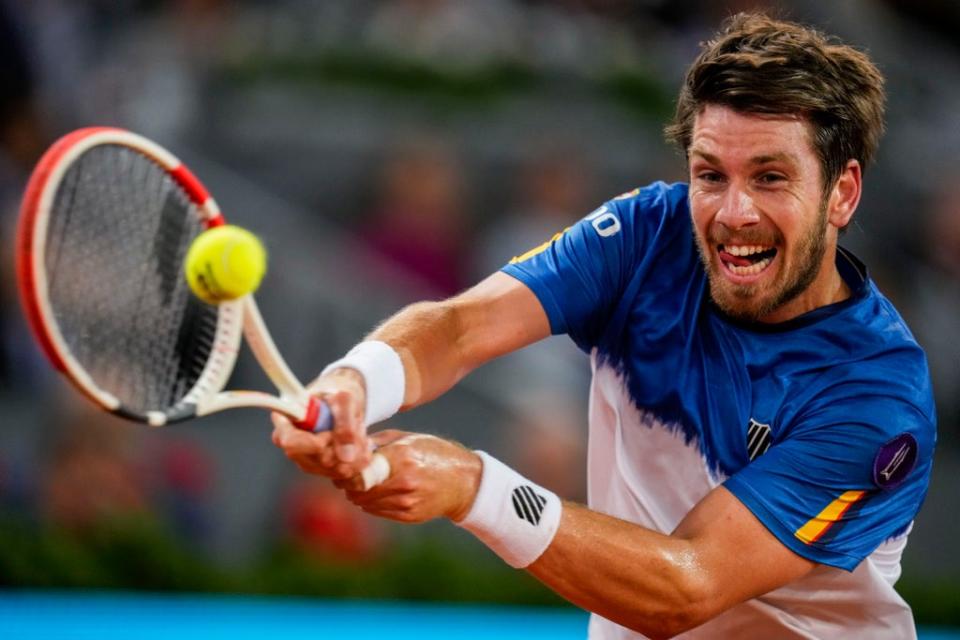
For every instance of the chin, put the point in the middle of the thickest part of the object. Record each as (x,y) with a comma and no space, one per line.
(741,303)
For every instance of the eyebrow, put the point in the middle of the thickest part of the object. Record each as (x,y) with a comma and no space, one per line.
(781,156)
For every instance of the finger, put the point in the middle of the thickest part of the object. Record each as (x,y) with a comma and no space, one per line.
(396,501)
(377,472)
(398,515)
(288,437)
(349,432)
(300,445)
(356,483)
(280,424)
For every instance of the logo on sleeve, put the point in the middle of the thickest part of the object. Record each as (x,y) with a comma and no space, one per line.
(528,504)
(894,461)
(759,437)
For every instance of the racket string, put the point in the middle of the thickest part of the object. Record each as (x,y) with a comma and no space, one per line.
(118,232)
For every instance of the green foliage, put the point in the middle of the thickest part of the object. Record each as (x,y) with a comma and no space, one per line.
(644,95)
(456,88)
(139,553)
(131,552)
(428,569)
(933,603)
(400,77)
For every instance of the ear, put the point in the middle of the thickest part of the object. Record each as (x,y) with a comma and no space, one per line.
(845,195)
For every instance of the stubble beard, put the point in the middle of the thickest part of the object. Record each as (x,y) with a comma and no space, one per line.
(746,302)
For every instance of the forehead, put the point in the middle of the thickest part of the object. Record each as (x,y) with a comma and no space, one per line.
(732,136)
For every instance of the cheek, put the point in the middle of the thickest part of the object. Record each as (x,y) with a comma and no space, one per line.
(702,211)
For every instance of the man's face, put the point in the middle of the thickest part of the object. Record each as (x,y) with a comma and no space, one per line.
(759,214)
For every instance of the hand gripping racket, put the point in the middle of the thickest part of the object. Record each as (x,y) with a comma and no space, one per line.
(105,224)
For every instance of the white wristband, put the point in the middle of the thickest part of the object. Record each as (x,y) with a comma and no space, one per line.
(383,376)
(516,518)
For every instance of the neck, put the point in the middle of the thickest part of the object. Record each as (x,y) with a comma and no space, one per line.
(827,288)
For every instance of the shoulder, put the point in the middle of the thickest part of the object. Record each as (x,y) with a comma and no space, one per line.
(892,363)
(646,217)
(878,411)
(868,351)
(653,203)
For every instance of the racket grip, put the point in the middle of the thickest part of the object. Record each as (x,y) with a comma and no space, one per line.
(318,417)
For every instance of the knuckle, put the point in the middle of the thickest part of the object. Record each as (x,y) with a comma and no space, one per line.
(306,467)
(342,397)
(405,483)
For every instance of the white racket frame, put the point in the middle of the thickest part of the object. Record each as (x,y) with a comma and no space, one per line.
(235,319)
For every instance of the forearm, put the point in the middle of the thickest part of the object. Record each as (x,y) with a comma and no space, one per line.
(657,584)
(441,342)
(429,338)
(641,579)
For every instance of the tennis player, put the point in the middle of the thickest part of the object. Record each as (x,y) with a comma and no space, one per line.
(761,418)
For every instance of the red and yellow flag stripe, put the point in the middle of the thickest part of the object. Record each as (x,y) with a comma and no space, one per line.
(814,529)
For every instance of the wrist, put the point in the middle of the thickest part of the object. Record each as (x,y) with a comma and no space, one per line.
(510,514)
(352,376)
(381,374)
(471,472)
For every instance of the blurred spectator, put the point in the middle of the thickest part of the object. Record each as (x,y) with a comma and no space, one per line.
(935,307)
(94,474)
(419,221)
(186,472)
(547,440)
(446,33)
(16,486)
(22,139)
(320,522)
(5,492)
(553,191)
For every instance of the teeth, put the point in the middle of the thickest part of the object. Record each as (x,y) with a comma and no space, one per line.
(751,269)
(744,250)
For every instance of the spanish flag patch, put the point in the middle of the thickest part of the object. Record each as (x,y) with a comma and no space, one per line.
(817,527)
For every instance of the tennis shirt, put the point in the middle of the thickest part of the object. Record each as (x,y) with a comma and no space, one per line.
(822,426)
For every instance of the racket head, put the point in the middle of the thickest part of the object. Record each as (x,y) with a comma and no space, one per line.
(105,222)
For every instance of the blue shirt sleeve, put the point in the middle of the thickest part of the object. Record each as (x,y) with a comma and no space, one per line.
(849,475)
(579,276)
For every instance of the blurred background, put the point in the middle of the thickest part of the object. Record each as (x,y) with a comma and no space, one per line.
(391,151)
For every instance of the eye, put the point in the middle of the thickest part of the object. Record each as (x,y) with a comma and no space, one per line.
(710,177)
(772,178)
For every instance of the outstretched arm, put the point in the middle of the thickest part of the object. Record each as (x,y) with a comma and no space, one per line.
(654,583)
(438,343)
(441,342)
(719,555)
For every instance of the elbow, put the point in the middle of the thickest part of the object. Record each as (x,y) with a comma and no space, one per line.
(691,602)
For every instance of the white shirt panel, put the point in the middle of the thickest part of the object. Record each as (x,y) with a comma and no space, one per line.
(645,472)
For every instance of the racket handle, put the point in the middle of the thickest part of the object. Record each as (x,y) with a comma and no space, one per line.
(318,417)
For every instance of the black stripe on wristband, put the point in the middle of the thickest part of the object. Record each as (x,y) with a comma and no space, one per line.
(528,504)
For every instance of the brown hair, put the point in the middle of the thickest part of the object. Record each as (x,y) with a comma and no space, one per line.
(757,64)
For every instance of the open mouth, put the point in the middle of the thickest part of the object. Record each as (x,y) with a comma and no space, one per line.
(746,260)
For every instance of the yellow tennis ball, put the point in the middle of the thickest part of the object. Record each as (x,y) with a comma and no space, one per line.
(224,263)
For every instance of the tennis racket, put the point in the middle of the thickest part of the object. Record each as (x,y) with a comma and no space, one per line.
(105,223)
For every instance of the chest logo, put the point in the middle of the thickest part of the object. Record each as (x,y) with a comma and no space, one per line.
(759,437)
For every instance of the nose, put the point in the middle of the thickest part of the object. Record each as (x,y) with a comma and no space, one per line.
(737,209)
